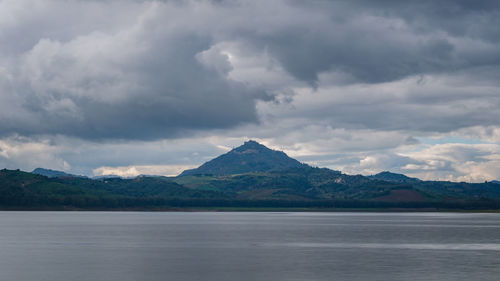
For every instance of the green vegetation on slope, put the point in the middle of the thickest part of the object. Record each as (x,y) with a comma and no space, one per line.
(248,176)
(19,188)
(305,183)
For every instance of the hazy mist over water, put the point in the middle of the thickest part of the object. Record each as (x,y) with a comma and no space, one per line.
(248,246)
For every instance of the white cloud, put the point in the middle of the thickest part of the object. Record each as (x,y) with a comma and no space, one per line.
(18,152)
(456,162)
(133,171)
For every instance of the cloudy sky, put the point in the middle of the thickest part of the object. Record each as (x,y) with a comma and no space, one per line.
(133,87)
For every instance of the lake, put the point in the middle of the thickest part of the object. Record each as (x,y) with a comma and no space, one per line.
(243,246)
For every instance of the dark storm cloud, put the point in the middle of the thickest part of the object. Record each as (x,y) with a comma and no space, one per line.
(380,41)
(165,91)
(143,82)
(476,19)
(149,70)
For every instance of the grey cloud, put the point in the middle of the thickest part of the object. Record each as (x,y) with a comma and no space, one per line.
(377,41)
(349,80)
(24,23)
(438,103)
(144,82)
(460,18)
(148,70)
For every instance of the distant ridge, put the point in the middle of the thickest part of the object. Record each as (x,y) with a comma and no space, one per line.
(393,177)
(251,175)
(247,158)
(108,177)
(52,173)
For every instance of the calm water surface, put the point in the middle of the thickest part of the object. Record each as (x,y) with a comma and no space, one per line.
(125,246)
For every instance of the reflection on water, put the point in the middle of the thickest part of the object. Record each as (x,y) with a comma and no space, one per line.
(448,246)
(248,246)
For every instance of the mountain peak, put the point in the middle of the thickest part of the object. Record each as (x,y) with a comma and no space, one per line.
(251,146)
(247,158)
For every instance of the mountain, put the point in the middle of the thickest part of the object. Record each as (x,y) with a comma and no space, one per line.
(255,172)
(25,190)
(52,173)
(251,175)
(107,177)
(249,158)
(393,177)
(496,182)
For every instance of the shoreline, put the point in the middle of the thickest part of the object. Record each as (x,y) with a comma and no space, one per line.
(249,209)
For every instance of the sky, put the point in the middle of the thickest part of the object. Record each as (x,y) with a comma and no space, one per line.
(131,87)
